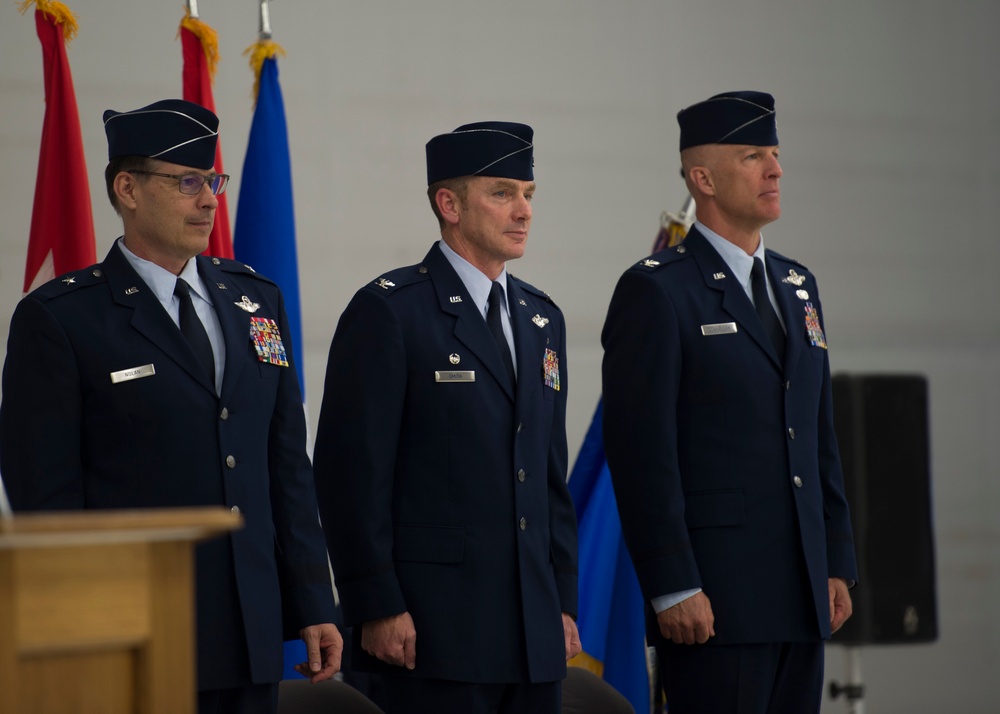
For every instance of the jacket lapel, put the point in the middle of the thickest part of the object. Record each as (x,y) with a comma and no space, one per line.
(234,321)
(530,334)
(791,306)
(470,327)
(148,316)
(734,297)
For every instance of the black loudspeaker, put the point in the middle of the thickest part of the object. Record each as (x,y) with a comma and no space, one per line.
(882,427)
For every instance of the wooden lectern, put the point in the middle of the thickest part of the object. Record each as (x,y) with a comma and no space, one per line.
(97,610)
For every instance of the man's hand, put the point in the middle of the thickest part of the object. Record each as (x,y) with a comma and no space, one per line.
(688,621)
(391,639)
(324,647)
(841,606)
(572,636)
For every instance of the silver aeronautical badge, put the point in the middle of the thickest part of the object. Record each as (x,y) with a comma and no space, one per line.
(521,300)
(540,321)
(454,358)
(650,263)
(385,284)
(802,294)
(794,278)
(222,286)
(247,304)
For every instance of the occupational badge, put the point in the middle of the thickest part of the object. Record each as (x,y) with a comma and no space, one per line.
(266,340)
(550,367)
(794,278)
(247,304)
(814,332)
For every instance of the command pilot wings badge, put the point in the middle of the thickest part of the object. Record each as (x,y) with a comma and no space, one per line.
(794,278)
(247,304)
(540,321)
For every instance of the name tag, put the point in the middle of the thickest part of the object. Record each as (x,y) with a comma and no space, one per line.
(125,375)
(720,328)
(457,376)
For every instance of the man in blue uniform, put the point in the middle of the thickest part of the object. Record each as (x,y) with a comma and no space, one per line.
(441,453)
(718,428)
(159,379)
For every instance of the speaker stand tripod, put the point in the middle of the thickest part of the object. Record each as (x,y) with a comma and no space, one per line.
(854,690)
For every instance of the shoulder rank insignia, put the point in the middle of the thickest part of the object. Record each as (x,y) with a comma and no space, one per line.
(385,284)
(247,304)
(650,263)
(540,321)
(794,278)
(69,281)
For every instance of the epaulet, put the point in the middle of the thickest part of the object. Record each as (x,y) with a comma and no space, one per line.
(776,254)
(236,266)
(661,258)
(528,287)
(70,282)
(399,278)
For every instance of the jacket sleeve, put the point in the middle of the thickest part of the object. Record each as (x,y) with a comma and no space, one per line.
(641,376)
(355,455)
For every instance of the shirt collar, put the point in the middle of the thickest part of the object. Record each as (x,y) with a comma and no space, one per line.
(735,257)
(476,283)
(160,280)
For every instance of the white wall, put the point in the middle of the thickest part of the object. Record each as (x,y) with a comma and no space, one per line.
(888,112)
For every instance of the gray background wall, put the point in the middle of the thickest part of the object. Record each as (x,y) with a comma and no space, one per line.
(888,113)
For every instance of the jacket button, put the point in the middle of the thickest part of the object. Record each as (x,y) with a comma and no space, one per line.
(235,510)
(520,475)
(791,433)
(797,481)
(788,385)
(519,427)
(224,414)
(231,461)
(523,523)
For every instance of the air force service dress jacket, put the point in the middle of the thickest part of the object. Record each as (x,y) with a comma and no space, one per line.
(722,452)
(105,406)
(443,491)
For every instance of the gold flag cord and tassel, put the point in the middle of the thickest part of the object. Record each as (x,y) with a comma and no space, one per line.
(60,14)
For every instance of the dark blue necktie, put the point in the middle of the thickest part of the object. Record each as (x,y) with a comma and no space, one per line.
(494,323)
(193,330)
(768,317)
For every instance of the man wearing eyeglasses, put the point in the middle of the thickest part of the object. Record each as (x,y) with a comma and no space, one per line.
(164,378)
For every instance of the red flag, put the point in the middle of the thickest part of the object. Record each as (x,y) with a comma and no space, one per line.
(62,222)
(201,53)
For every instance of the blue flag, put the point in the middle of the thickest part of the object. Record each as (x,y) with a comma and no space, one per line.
(265,230)
(610,618)
(265,215)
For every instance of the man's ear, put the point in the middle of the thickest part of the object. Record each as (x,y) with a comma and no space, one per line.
(125,185)
(448,205)
(701,178)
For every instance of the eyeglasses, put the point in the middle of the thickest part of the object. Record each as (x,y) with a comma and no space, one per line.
(190,184)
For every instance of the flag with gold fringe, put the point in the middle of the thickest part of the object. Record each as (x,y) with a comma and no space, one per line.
(611,619)
(200,45)
(61,238)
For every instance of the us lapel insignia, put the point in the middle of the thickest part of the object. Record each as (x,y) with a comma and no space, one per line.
(719,276)
(247,304)
(132,291)
(266,340)
(385,284)
(540,321)
(550,366)
(454,298)
(794,278)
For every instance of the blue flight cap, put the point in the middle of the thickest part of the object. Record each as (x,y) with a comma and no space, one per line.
(730,118)
(170,130)
(488,148)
